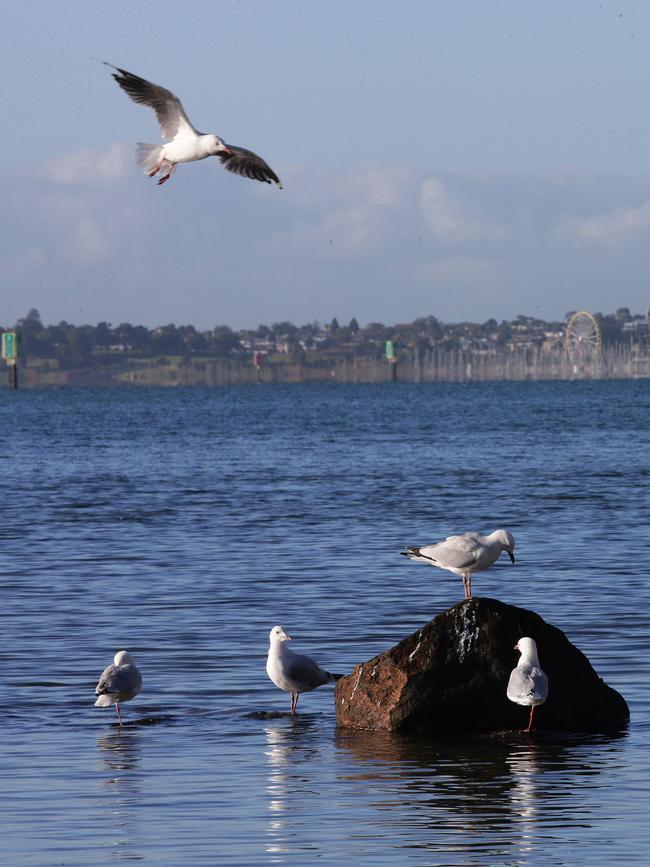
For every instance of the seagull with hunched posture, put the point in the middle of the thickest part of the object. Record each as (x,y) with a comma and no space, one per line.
(121,681)
(528,685)
(466,554)
(291,671)
(184,144)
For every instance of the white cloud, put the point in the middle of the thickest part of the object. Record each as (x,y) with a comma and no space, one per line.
(344,215)
(89,166)
(352,232)
(87,244)
(384,186)
(613,228)
(377,242)
(448,221)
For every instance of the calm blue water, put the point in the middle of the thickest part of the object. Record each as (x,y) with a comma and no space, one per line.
(184,524)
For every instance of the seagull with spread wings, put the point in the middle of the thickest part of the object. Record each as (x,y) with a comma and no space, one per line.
(183,143)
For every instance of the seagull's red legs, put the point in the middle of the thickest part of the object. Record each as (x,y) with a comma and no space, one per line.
(530,720)
(168,175)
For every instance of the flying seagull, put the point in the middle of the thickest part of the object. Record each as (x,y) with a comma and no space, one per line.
(183,143)
(121,681)
(291,671)
(528,685)
(466,554)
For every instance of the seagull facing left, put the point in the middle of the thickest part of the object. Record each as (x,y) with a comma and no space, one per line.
(184,144)
(119,682)
(293,672)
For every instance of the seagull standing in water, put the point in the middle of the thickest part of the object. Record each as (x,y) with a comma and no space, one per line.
(291,671)
(528,685)
(466,554)
(184,143)
(121,681)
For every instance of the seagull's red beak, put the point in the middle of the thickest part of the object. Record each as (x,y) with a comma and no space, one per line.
(516,647)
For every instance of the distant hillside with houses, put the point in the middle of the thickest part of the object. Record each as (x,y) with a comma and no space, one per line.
(426,348)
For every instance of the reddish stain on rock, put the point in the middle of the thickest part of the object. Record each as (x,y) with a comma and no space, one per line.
(451,676)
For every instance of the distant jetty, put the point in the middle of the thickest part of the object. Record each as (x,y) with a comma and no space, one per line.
(430,365)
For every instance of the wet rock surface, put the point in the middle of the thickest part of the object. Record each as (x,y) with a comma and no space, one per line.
(451,676)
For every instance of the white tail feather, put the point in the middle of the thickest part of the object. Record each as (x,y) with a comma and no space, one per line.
(148,156)
(103,701)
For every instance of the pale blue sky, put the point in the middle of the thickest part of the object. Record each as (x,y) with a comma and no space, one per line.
(458,158)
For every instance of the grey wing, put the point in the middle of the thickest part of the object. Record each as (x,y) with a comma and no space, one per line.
(120,679)
(526,684)
(306,671)
(169,110)
(249,165)
(106,680)
(459,552)
(541,683)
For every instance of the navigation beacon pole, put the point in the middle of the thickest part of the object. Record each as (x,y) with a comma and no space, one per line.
(391,358)
(10,353)
(257,362)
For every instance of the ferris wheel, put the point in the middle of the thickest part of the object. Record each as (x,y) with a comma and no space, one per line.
(582,338)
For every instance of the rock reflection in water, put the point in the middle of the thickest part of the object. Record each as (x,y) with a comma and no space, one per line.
(119,755)
(489,796)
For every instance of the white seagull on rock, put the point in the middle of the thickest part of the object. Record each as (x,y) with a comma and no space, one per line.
(291,671)
(466,554)
(528,685)
(121,681)
(184,144)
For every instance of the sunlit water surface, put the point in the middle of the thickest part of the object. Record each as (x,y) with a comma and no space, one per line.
(184,524)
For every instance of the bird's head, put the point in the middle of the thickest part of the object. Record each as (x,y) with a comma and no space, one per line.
(123,657)
(278,634)
(507,542)
(527,647)
(219,146)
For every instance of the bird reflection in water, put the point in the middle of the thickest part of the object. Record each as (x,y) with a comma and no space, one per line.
(523,794)
(287,746)
(118,753)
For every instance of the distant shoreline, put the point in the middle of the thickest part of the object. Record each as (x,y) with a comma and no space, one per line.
(617,362)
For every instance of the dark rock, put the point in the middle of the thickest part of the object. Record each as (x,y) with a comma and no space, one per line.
(451,676)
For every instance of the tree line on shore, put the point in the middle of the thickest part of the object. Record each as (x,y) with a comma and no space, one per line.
(75,346)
